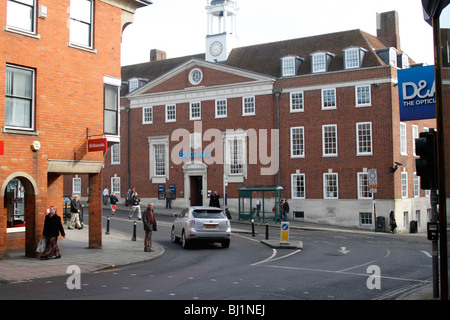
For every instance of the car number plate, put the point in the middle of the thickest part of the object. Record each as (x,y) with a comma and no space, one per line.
(210,226)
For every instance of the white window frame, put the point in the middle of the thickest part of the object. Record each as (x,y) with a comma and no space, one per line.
(416,185)
(330,185)
(298,183)
(319,62)
(31,99)
(363,186)
(115,154)
(239,136)
(404,184)
(12,18)
(158,141)
(393,57)
(329,99)
(171,112)
(365,219)
(352,58)
(297,102)
(76,185)
(147,115)
(288,66)
(221,103)
(248,106)
(326,144)
(301,144)
(360,95)
(115,185)
(72,21)
(415,135)
(361,150)
(403,139)
(193,105)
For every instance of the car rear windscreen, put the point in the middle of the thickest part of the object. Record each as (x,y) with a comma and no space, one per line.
(208,214)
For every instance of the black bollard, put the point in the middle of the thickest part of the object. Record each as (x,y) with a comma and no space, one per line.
(107,226)
(134,232)
(267,231)
(253,228)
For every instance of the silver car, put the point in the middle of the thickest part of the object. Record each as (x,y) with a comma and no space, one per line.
(207,224)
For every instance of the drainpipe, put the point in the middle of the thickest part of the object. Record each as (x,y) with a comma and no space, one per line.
(277,93)
(127,108)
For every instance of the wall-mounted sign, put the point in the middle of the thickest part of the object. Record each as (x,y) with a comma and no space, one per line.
(2,144)
(98,145)
(416,92)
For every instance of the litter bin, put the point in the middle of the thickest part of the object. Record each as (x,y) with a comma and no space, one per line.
(413,226)
(380,225)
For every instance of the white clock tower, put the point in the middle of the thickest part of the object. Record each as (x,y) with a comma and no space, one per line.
(221,35)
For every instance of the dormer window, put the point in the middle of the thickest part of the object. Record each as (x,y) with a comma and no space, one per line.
(403,61)
(389,56)
(135,83)
(353,57)
(290,65)
(320,61)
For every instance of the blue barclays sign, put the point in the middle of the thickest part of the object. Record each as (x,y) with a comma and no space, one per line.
(417,94)
(195,154)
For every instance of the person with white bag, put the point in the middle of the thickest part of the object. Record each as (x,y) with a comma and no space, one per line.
(52,228)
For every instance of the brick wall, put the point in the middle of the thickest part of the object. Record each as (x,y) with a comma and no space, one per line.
(68,98)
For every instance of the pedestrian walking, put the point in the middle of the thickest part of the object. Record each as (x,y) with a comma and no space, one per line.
(149,220)
(75,210)
(285,210)
(392,222)
(169,195)
(135,206)
(105,195)
(258,208)
(52,229)
(214,200)
(113,201)
(128,198)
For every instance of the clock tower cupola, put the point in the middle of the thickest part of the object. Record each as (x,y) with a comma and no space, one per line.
(221,36)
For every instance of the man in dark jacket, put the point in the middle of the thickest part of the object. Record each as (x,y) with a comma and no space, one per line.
(75,210)
(149,220)
(52,228)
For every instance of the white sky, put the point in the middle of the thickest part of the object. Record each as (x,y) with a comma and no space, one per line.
(179,26)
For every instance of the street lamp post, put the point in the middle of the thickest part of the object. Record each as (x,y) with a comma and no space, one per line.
(432,12)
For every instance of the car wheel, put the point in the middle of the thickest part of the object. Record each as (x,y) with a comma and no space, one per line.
(225,244)
(184,241)
(173,237)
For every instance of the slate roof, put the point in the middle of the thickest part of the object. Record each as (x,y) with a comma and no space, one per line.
(152,70)
(265,58)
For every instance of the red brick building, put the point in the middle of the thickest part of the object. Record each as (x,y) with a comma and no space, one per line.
(333,98)
(60,76)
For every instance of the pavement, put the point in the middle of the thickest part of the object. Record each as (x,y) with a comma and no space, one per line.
(118,250)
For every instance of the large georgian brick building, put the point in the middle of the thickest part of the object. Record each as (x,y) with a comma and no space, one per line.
(333,98)
(60,81)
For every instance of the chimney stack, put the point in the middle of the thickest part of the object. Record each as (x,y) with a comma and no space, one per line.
(388,28)
(156,55)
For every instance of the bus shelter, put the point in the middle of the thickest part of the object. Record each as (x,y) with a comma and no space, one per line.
(270,209)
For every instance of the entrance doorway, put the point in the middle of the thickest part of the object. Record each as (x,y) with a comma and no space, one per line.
(196,183)
(15,204)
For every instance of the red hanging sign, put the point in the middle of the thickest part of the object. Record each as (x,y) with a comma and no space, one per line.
(98,145)
(1,147)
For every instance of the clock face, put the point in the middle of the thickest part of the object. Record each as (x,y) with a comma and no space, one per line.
(216,48)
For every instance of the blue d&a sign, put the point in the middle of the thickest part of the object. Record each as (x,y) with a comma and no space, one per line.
(417,94)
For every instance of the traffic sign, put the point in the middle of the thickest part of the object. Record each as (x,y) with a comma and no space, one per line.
(372,180)
(284,232)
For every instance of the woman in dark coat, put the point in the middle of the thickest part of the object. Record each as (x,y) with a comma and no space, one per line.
(392,222)
(52,228)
